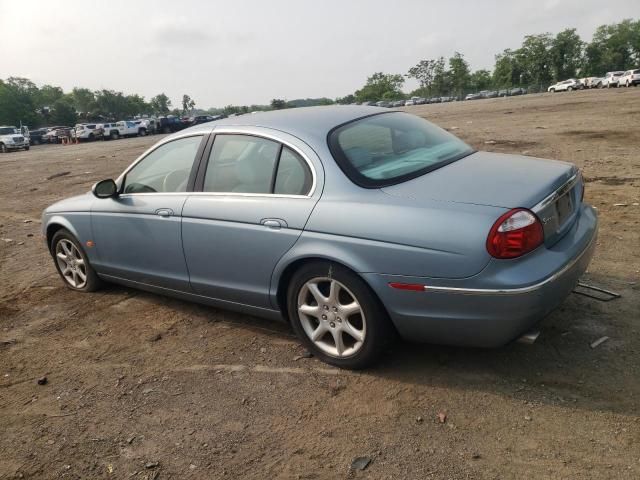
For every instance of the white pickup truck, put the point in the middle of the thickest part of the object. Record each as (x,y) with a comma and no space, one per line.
(123,128)
(12,139)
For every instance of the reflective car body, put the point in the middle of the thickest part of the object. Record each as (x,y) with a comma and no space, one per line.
(428,232)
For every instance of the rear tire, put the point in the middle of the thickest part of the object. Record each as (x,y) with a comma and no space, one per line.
(142,132)
(72,263)
(335,305)
(114,135)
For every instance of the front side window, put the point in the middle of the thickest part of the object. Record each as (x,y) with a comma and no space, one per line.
(390,148)
(164,170)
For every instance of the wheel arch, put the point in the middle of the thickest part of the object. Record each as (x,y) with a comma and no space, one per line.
(285,270)
(56,224)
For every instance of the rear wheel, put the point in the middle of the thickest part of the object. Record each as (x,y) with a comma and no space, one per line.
(142,132)
(569,89)
(114,135)
(72,263)
(337,316)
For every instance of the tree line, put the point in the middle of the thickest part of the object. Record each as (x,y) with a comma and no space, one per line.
(21,101)
(539,61)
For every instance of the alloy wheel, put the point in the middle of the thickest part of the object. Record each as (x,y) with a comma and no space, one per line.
(332,317)
(71,264)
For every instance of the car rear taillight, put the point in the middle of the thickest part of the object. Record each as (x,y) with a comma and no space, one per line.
(515,233)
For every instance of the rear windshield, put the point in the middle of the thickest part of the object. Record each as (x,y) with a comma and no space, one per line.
(390,148)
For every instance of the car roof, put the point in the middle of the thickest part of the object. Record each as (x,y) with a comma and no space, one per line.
(311,124)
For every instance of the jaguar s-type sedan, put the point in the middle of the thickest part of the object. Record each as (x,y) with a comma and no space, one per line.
(351,223)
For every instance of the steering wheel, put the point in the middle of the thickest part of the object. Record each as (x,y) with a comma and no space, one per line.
(174,181)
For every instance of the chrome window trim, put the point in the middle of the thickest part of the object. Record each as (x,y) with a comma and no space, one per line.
(513,291)
(225,131)
(568,185)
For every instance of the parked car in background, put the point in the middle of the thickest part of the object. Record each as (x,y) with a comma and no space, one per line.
(56,134)
(88,131)
(170,124)
(434,100)
(151,124)
(11,138)
(503,93)
(109,131)
(409,103)
(596,82)
(489,93)
(630,78)
(37,136)
(473,96)
(470,254)
(382,103)
(517,91)
(611,79)
(565,86)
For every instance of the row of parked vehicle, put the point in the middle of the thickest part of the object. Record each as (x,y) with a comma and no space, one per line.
(615,79)
(21,138)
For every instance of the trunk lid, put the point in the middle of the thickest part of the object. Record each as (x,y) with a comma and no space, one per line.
(506,181)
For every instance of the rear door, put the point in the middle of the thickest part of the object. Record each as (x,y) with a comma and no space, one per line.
(257,192)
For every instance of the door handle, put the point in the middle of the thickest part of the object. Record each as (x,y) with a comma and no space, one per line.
(272,223)
(164,212)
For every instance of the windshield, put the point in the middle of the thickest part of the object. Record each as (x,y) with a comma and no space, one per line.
(8,131)
(390,148)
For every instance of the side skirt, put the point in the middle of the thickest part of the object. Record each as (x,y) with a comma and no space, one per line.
(192,297)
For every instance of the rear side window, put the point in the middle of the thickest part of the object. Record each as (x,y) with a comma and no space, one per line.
(390,148)
(241,164)
(293,176)
(251,164)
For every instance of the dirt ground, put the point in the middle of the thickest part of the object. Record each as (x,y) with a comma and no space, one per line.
(140,386)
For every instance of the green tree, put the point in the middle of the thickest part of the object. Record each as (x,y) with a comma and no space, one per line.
(187,104)
(17,102)
(535,58)
(614,47)
(346,100)
(83,100)
(458,74)
(441,80)
(480,80)
(278,104)
(566,54)
(47,95)
(381,85)
(63,111)
(423,73)
(160,104)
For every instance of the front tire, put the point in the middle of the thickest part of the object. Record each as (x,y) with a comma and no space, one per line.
(337,316)
(114,135)
(3,148)
(72,263)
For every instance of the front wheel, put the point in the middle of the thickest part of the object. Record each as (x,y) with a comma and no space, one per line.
(72,263)
(569,89)
(114,135)
(27,148)
(3,148)
(337,316)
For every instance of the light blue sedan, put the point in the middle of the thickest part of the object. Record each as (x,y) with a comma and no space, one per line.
(352,223)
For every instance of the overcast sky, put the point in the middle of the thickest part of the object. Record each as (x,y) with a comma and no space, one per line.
(243,52)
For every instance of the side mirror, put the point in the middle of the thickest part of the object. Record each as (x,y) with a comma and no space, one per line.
(105,189)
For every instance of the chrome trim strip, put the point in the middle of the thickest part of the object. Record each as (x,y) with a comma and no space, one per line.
(226,131)
(512,291)
(568,185)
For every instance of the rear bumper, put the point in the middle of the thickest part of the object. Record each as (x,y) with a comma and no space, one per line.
(497,305)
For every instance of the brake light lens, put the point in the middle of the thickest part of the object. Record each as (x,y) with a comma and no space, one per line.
(515,233)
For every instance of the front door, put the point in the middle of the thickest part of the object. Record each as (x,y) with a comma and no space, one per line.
(137,234)
(257,194)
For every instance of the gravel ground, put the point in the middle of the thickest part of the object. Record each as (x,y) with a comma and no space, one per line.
(142,386)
